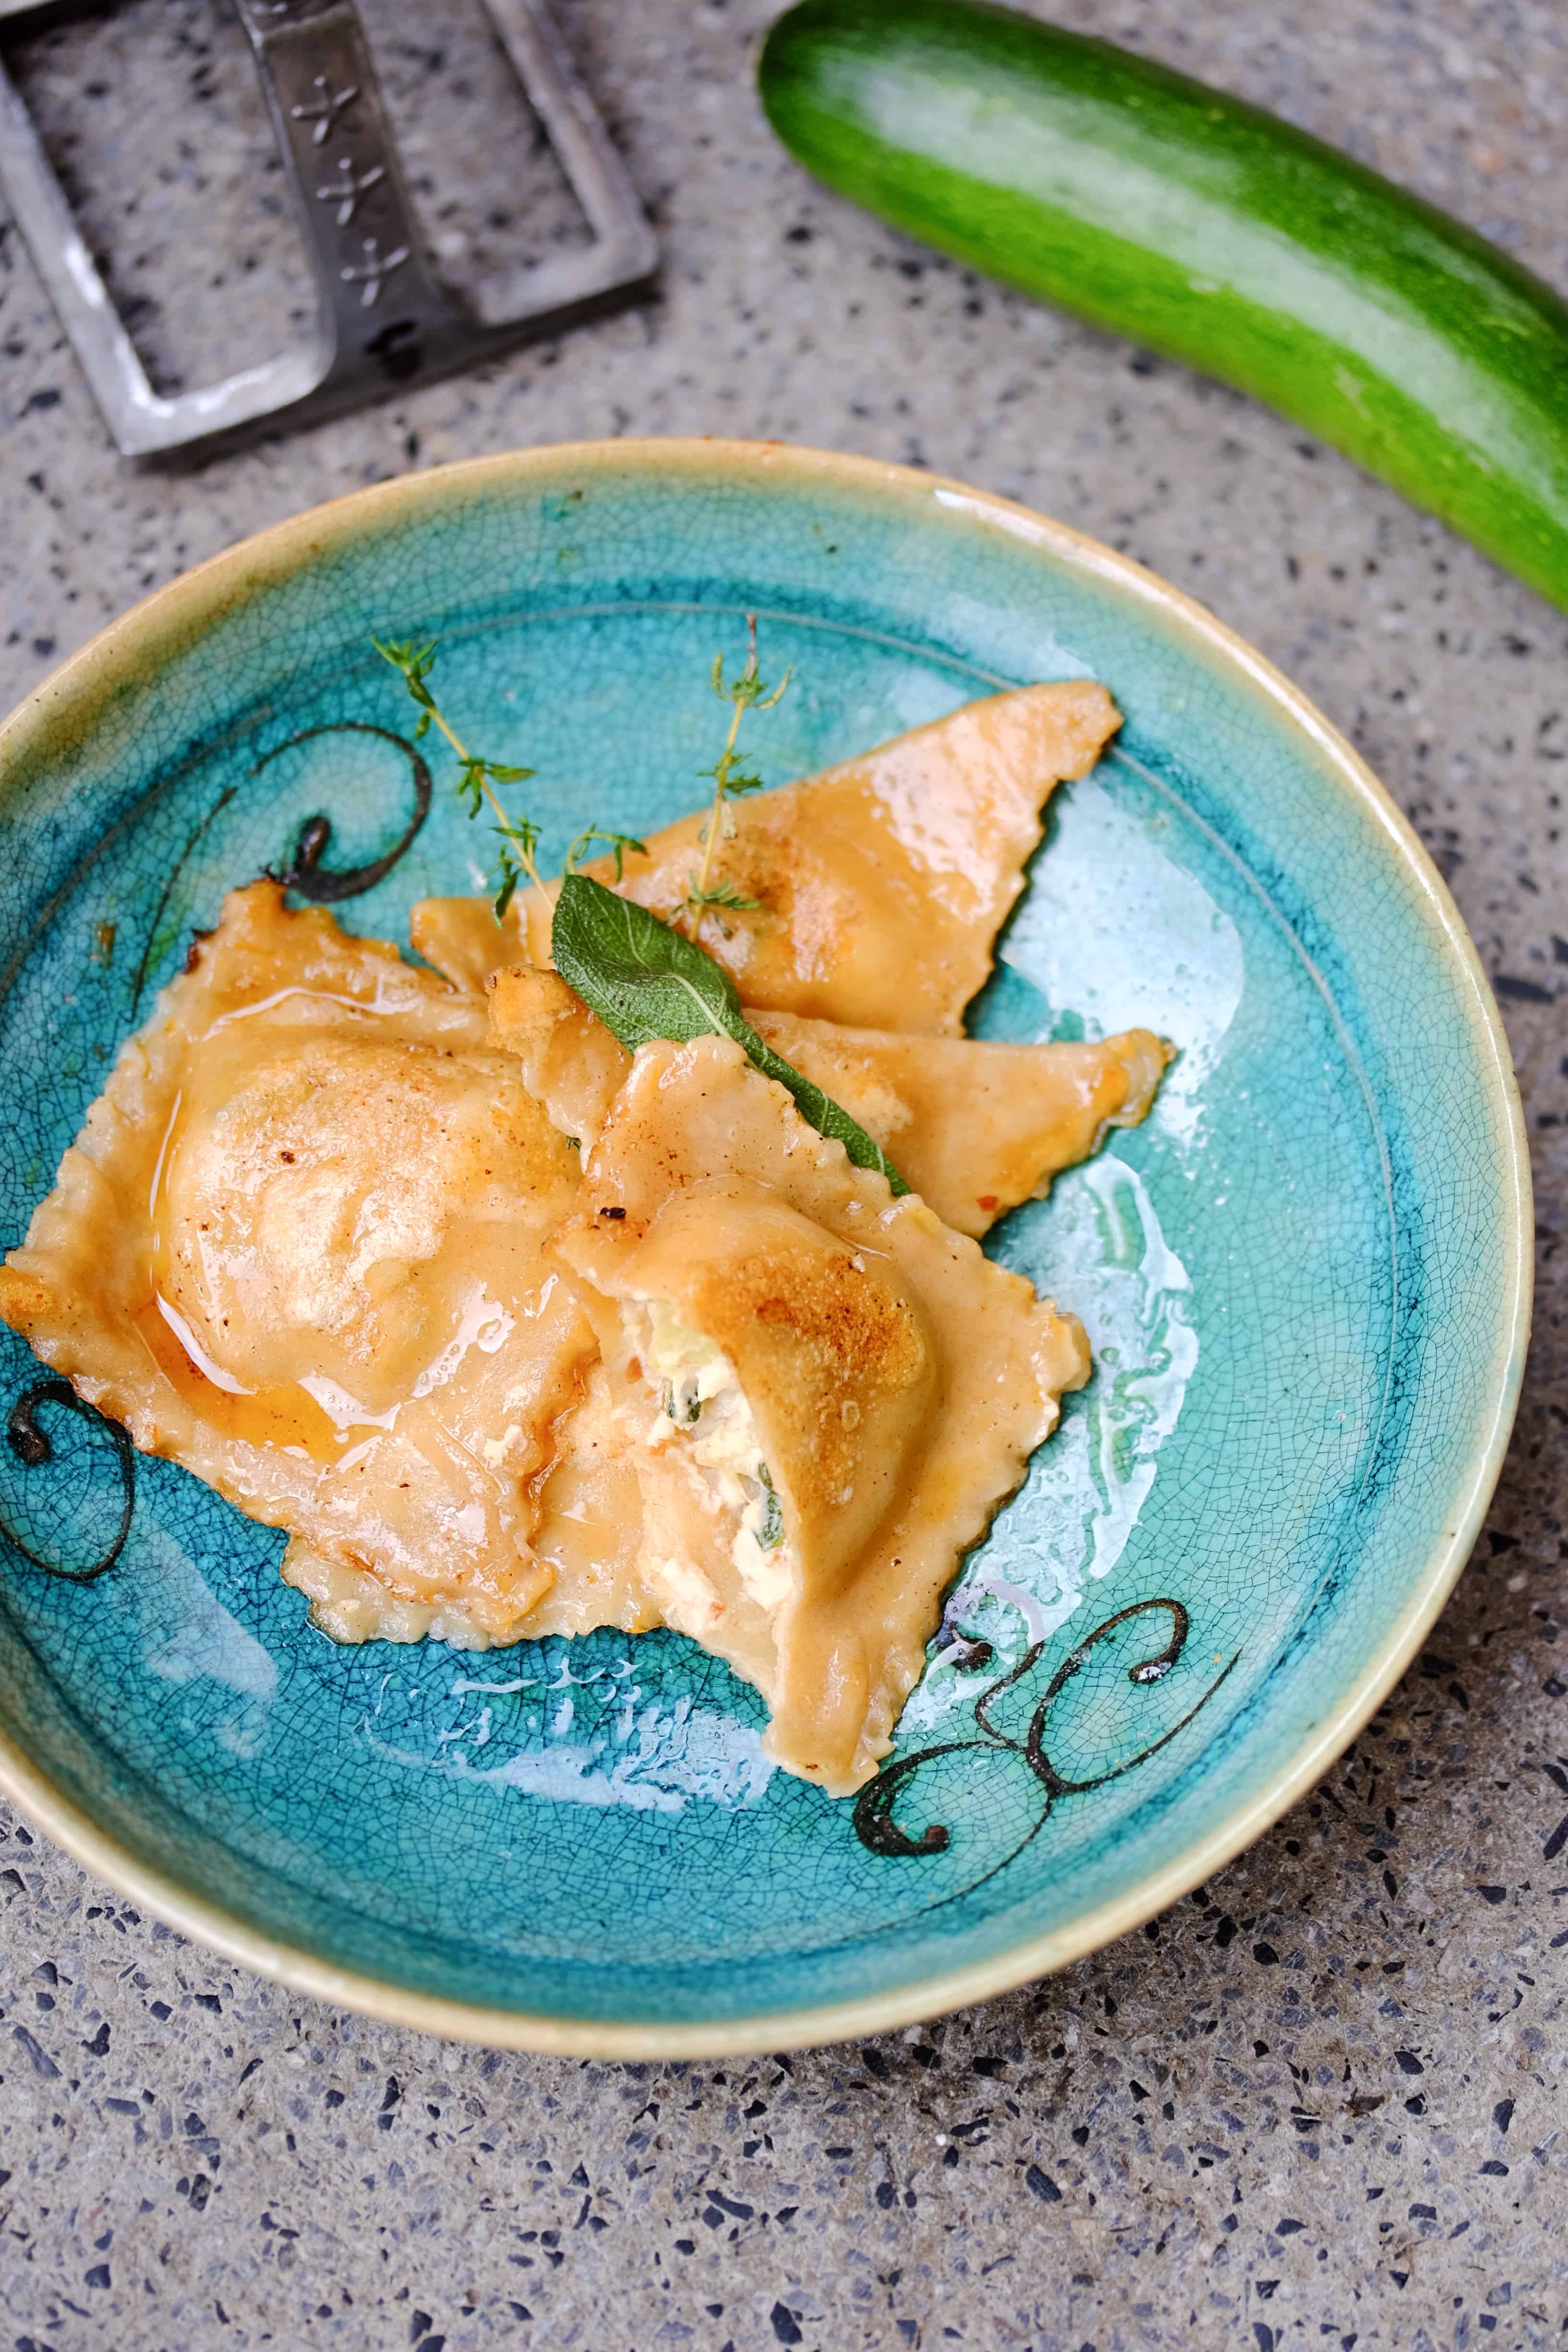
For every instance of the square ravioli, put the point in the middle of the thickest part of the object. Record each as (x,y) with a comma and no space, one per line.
(299,1248)
(826,1393)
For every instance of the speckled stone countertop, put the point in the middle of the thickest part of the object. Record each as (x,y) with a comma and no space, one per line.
(1318,2104)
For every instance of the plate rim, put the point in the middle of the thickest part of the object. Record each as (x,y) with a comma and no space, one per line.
(87,678)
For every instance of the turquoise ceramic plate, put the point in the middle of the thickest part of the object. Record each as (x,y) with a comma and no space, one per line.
(1304,1278)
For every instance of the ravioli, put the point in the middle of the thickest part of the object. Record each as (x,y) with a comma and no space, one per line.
(880,884)
(463,941)
(590,1525)
(975,1127)
(826,1391)
(517,1336)
(569,1060)
(299,1248)
(588,1534)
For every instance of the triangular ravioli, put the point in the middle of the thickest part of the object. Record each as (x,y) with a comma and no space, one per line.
(298,1247)
(880,884)
(973,1127)
(826,1393)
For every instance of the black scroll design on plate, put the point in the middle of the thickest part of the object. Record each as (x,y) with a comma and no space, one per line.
(876,1825)
(30,1444)
(305,873)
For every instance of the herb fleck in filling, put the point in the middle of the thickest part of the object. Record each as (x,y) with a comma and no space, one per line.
(770,1535)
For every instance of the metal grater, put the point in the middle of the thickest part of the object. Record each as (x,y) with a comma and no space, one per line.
(385,320)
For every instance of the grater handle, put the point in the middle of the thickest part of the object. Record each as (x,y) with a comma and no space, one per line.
(384,318)
(380,304)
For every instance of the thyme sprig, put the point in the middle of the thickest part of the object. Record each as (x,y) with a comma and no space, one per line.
(615,844)
(477,778)
(747,690)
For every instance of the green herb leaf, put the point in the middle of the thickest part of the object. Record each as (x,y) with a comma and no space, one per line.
(722,899)
(646,981)
(523,834)
(511,876)
(772,1532)
(616,843)
(643,980)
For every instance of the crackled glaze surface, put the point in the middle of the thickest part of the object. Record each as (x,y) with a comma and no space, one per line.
(1301,1275)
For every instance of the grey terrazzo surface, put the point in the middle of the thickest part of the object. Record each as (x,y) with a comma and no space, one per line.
(1319,2103)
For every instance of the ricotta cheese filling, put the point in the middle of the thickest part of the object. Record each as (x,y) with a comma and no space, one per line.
(702,1408)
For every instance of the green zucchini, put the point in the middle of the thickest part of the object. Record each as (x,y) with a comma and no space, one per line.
(1206,229)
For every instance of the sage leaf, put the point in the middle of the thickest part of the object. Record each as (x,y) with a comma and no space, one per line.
(827,1115)
(646,981)
(643,980)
